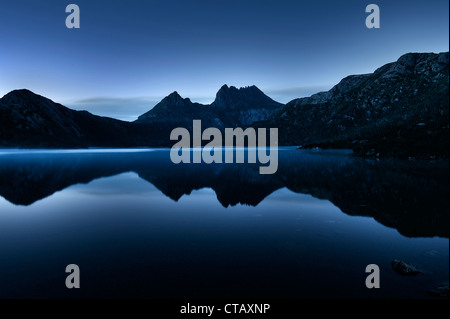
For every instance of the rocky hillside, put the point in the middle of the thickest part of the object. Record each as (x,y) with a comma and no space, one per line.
(402,110)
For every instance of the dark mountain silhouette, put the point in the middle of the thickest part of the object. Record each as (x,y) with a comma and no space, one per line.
(174,111)
(401,110)
(244,106)
(411,196)
(232,108)
(31,120)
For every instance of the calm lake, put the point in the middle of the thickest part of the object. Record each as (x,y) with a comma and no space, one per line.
(139,226)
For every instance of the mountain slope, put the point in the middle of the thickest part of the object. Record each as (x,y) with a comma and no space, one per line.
(31,120)
(399,110)
(174,111)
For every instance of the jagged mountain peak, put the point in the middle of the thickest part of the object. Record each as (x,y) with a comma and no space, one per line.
(230,97)
(175,99)
(225,89)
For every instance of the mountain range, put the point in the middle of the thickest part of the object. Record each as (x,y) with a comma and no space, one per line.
(31,120)
(400,110)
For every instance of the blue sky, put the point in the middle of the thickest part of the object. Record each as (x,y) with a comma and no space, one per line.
(127,55)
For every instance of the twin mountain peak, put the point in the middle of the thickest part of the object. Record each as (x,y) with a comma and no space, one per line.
(231,106)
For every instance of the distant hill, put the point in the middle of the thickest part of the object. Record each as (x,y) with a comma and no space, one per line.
(401,110)
(31,120)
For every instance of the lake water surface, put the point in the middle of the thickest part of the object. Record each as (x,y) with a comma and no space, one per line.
(139,226)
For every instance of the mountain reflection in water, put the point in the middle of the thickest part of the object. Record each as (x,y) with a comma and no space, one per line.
(411,196)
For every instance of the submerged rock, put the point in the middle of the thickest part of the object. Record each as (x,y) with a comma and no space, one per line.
(440,290)
(404,268)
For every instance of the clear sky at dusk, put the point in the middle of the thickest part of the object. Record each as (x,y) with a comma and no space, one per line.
(127,55)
